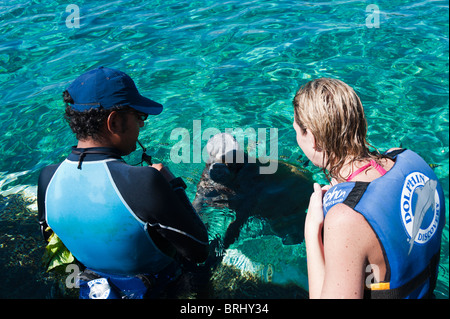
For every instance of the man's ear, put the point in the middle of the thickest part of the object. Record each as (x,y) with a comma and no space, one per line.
(114,123)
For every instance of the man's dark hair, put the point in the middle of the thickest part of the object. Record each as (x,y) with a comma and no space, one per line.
(88,123)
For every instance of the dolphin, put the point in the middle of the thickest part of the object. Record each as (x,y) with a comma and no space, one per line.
(232,180)
(425,200)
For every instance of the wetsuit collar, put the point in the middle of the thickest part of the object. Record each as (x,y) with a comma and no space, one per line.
(93,154)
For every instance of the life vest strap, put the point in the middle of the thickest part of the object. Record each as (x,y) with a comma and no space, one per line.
(377,291)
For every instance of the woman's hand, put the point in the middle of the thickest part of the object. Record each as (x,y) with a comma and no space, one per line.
(314,242)
(314,217)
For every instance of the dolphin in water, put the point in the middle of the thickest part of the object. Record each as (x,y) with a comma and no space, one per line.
(232,180)
(425,200)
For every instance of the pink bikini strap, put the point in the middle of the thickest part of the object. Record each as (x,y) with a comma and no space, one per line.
(372,163)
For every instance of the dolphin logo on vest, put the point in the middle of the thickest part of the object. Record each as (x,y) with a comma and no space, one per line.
(425,200)
(423,189)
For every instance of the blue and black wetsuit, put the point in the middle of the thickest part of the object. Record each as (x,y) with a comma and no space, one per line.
(116,218)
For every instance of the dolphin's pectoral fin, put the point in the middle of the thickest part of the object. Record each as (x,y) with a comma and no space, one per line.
(232,233)
(243,210)
(234,229)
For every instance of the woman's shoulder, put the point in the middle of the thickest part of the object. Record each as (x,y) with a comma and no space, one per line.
(345,224)
(343,215)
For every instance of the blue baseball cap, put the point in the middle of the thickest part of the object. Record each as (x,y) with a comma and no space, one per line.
(107,88)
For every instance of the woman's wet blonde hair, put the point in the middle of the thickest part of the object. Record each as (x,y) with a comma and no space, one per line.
(334,114)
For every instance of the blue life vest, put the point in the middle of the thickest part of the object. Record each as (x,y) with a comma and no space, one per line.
(95,223)
(406,210)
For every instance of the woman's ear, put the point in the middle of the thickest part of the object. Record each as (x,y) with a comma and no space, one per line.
(312,139)
(319,158)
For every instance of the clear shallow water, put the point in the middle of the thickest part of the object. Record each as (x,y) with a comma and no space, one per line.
(233,64)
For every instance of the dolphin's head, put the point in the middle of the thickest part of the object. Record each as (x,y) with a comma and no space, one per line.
(430,187)
(220,146)
(225,158)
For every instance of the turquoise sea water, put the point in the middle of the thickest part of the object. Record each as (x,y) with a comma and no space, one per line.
(230,64)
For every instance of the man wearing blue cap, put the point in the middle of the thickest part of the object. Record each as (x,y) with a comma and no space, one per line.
(131,227)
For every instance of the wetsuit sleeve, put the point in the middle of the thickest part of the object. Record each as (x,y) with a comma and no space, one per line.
(181,224)
(44,179)
(166,210)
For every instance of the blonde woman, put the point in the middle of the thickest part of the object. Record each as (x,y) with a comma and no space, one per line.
(375,231)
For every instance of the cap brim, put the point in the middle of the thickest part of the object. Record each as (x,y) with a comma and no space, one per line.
(147,106)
